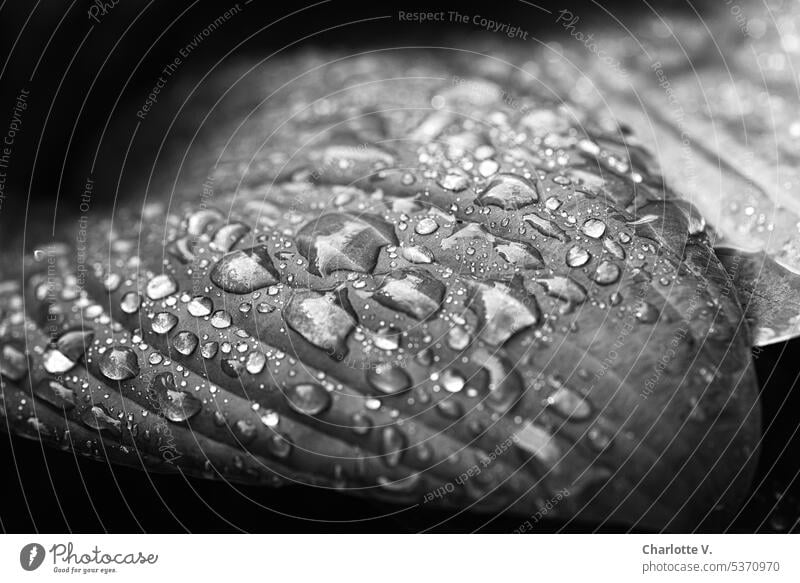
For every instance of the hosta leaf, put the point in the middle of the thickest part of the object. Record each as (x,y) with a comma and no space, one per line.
(496,293)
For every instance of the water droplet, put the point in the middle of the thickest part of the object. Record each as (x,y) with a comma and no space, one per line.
(426,226)
(509,192)
(174,405)
(361,424)
(209,349)
(163,322)
(309,398)
(388,378)
(270,418)
(467,233)
(97,418)
(325,320)
(577,256)
(646,312)
(454,180)
(614,248)
(387,338)
(487,168)
(245,430)
(392,446)
(221,319)
(607,273)
(458,338)
(564,288)
(185,342)
(227,237)
(594,228)
(200,306)
(452,382)
(500,313)
(522,255)
(341,241)
(546,227)
(539,442)
(119,363)
(56,363)
(130,302)
(505,386)
(160,287)
(265,308)
(245,271)
(416,254)
(568,403)
(411,291)
(73,343)
(256,361)
(203,221)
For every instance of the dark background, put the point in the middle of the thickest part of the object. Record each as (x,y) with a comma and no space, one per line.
(80,80)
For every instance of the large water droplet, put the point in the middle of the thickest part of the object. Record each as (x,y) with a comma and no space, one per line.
(546,227)
(309,398)
(324,320)
(522,255)
(563,288)
(594,228)
(568,403)
(13,362)
(55,362)
(416,254)
(539,442)
(163,322)
(426,226)
(200,306)
(97,418)
(454,180)
(174,405)
(614,248)
(185,342)
(130,302)
(509,192)
(73,343)
(388,378)
(505,386)
(245,271)
(161,286)
(411,291)
(341,241)
(607,273)
(119,363)
(466,233)
(577,256)
(500,313)
(452,381)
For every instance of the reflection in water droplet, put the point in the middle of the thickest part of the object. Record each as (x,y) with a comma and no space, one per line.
(119,363)
(454,180)
(416,254)
(13,362)
(577,256)
(426,226)
(56,363)
(185,342)
(221,319)
(209,349)
(614,248)
(388,378)
(539,442)
(323,320)
(174,405)
(452,381)
(130,302)
(594,228)
(245,271)
(607,273)
(163,322)
(309,398)
(509,192)
(200,306)
(161,286)
(411,291)
(546,227)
